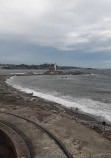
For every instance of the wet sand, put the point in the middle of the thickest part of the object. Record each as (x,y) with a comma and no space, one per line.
(83,135)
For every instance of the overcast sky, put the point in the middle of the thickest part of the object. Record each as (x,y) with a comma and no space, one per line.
(68,32)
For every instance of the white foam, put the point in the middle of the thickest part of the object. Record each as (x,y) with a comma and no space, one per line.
(18,73)
(86,105)
(9,80)
(97,108)
(37,73)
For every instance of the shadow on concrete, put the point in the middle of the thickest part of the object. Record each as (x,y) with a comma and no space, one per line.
(7,149)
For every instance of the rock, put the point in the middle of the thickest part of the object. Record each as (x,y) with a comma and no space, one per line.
(33,99)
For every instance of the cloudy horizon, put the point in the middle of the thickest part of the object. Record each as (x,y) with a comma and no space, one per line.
(68,32)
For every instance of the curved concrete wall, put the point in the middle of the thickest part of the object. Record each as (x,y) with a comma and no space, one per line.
(7,149)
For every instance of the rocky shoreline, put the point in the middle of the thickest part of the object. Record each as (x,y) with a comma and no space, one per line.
(66,73)
(45,112)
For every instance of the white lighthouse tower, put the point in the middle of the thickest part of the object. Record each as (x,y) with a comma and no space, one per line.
(55,67)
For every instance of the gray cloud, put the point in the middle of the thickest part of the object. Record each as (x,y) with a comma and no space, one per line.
(57,23)
(65,25)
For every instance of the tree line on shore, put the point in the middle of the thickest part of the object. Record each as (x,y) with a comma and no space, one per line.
(41,66)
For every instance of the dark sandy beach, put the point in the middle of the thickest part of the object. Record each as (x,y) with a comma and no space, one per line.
(83,135)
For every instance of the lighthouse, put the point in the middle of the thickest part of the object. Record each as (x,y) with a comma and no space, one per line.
(55,67)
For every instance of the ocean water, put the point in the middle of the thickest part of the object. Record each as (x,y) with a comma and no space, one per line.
(90,93)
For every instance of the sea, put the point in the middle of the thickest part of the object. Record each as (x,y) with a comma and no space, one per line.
(90,93)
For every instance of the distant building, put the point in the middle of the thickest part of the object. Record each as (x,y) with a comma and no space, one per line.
(53,68)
